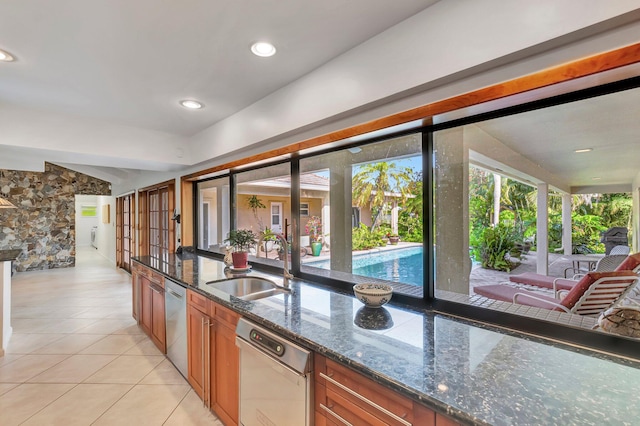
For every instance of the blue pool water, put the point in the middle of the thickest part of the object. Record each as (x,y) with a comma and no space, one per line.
(401,265)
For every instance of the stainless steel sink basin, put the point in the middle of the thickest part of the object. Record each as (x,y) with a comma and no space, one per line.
(248,288)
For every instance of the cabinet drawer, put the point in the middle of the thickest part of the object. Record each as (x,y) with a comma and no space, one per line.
(198,301)
(226,316)
(156,278)
(343,395)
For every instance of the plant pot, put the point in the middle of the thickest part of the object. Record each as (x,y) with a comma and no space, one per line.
(316,248)
(240,259)
(394,240)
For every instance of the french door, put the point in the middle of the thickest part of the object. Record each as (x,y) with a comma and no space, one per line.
(125,230)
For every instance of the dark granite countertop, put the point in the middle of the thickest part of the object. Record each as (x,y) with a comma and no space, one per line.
(7,255)
(474,373)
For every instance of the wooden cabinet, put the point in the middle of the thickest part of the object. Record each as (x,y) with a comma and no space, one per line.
(343,396)
(213,355)
(148,308)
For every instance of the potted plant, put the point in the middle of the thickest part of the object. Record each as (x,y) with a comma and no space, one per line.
(241,240)
(268,236)
(314,229)
(393,239)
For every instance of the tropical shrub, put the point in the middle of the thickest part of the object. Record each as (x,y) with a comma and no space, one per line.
(495,246)
(363,238)
(410,227)
(585,236)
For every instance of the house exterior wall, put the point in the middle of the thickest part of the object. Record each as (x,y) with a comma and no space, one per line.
(43,226)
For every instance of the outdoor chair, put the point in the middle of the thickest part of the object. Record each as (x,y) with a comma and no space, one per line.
(594,293)
(620,250)
(615,263)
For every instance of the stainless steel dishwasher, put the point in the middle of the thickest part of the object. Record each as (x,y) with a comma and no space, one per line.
(175,303)
(275,378)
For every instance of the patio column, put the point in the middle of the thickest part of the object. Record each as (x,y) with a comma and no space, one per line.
(394,217)
(453,264)
(326,219)
(566,224)
(497,192)
(542,229)
(340,172)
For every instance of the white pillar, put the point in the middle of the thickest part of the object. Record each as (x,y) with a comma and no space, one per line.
(566,223)
(542,229)
(326,219)
(497,193)
(5,305)
(394,217)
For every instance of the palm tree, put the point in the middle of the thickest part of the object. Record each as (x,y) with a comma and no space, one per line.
(372,181)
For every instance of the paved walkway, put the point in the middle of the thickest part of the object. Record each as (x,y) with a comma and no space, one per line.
(557,265)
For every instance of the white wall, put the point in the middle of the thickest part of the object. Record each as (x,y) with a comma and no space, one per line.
(106,234)
(84,224)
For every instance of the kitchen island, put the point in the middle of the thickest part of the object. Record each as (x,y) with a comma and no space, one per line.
(470,372)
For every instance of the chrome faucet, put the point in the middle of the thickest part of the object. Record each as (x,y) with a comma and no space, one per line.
(285,248)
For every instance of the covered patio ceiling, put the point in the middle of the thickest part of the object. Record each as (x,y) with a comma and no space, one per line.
(609,125)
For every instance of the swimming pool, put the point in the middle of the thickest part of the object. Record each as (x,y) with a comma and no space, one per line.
(401,265)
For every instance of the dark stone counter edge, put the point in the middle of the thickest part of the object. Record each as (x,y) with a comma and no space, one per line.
(424,399)
(8,255)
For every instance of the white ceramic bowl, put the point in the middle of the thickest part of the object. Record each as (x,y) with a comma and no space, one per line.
(373,295)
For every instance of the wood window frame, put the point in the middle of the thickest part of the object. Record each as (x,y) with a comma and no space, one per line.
(125,218)
(166,226)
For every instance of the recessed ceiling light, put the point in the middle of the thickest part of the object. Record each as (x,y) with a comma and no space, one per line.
(596,178)
(6,56)
(264,49)
(191,104)
(579,151)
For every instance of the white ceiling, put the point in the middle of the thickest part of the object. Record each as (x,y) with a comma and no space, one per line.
(130,62)
(609,125)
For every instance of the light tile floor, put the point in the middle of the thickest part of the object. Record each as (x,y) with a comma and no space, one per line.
(78,358)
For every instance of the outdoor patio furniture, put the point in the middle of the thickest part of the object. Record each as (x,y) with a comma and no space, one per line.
(606,264)
(620,250)
(594,293)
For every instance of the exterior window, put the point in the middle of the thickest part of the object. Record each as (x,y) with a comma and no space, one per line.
(263,205)
(365,213)
(304,209)
(213,214)
(525,194)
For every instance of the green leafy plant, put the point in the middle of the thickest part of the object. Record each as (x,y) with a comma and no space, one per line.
(254,204)
(363,238)
(495,246)
(241,239)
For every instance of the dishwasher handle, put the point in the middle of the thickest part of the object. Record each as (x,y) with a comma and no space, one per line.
(173,293)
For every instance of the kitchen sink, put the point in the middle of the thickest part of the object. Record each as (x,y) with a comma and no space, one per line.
(248,288)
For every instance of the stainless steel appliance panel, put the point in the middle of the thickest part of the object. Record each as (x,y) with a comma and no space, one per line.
(272,392)
(176,319)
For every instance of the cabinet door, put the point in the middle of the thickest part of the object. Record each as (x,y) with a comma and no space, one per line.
(197,323)
(146,304)
(158,321)
(225,376)
(135,295)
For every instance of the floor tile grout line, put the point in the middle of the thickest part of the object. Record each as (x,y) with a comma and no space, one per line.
(114,402)
(60,396)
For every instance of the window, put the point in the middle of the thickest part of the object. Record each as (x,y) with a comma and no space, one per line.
(365,209)
(304,209)
(263,203)
(532,193)
(214,212)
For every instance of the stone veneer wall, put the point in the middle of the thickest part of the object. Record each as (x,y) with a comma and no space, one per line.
(44,224)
